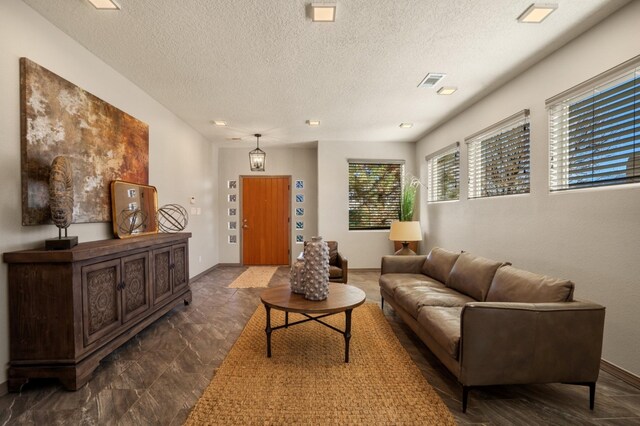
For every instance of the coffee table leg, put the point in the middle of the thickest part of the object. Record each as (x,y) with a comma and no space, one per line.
(286,319)
(347,334)
(268,330)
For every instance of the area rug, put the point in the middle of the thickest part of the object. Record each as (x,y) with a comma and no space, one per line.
(307,381)
(255,276)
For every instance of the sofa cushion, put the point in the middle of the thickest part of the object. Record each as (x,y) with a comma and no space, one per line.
(443,324)
(333,252)
(472,275)
(438,263)
(335,272)
(412,299)
(390,282)
(515,285)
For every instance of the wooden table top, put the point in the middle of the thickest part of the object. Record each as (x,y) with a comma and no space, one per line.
(341,297)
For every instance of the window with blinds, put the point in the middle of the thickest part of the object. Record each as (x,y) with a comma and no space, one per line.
(594,131)
(499,159)
(375,189)
(443,174)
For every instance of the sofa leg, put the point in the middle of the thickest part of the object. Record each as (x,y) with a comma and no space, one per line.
(382,302)
(465,397)
(592,391)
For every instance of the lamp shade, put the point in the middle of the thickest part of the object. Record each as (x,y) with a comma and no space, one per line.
(405,231)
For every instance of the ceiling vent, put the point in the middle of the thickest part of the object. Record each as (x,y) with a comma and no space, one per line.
(431,79)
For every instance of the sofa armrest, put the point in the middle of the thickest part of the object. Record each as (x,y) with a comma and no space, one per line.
(402,264)
(343,263)
(510,343)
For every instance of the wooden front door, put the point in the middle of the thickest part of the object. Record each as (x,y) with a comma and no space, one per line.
(265,220)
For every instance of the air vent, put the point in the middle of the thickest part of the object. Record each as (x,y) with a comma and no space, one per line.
(431,79)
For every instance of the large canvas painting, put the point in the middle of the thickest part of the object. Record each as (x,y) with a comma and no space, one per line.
(102,142)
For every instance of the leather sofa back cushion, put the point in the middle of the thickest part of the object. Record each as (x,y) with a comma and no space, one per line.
(333,252)
(438,264)
(515,285)
(472,275)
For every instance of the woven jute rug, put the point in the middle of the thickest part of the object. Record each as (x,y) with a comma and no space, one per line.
(254,276)
(307,381)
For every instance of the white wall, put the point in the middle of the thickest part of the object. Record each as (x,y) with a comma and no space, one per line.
(590,236)
(363,248)
(299,163)
(180,159)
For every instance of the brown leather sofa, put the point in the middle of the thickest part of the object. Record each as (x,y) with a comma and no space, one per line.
(492,324)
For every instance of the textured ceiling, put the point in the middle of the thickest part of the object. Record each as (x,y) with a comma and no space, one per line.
(263,66)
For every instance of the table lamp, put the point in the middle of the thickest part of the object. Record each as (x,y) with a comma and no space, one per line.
(405,232)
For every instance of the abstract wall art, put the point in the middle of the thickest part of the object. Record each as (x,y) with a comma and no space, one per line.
(102,143)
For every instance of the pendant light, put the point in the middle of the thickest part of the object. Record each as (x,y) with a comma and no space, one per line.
(257,157)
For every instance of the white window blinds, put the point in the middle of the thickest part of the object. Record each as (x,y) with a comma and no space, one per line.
(375,189)
(594,131)
(443,174)
(499,162)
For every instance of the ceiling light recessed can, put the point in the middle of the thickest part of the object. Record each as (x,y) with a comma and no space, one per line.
(313,123)
(406,125)
(105,4)
(537,13)
(447,90)
(323,12)
(220,123)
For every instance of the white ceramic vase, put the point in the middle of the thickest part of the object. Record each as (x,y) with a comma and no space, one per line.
(316,269)
(297,276)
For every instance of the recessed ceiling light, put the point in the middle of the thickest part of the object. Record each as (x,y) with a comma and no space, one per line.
(313,123)
(220,123)
(406,125)
(537,13)
(447,90)
(431,79)
(105,4)
(323,12)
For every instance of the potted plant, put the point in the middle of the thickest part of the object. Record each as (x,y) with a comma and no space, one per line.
(407,207)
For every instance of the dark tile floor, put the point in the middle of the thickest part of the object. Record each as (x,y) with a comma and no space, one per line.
(158,376)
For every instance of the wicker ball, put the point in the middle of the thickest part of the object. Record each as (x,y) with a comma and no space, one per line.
(132,222)
(172,218)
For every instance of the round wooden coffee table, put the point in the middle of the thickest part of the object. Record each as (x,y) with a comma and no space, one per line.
(342,298)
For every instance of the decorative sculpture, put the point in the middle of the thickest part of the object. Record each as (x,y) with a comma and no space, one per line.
(172,218)
(316,269)
(131,222)
(61,203)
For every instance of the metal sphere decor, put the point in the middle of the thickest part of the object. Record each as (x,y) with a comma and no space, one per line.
(172,218)
(131,222)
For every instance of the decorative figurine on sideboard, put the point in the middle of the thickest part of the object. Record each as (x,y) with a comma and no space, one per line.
(61,203)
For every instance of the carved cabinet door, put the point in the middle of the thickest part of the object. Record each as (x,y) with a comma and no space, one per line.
(180,266)
(101,307)
(135,285)
(162,286)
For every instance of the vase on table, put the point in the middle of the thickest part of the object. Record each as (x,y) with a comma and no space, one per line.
(316,269)
(297,276)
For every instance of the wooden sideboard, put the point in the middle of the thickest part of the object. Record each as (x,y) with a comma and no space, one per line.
(68,309)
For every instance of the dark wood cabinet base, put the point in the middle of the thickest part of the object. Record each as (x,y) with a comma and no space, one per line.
(69,309)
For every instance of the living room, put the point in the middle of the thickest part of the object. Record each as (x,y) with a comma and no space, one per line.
(587,235)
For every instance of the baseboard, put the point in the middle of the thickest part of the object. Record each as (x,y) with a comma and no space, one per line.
(620,373)
(4,389)
(205,272)
(365,269)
